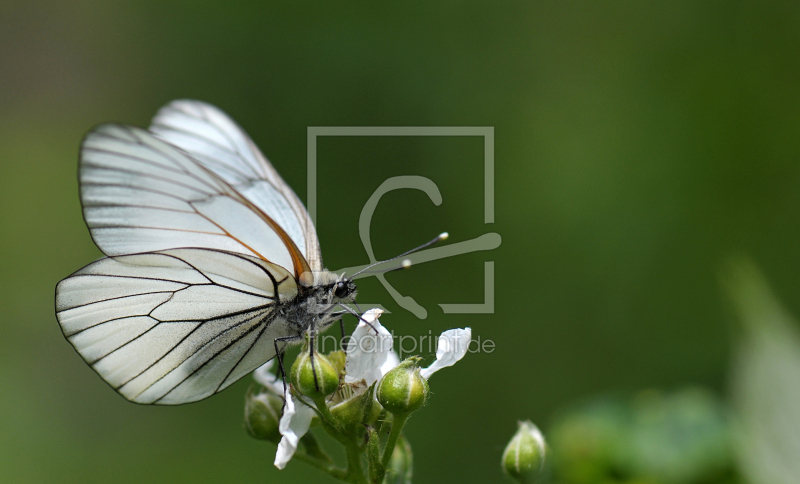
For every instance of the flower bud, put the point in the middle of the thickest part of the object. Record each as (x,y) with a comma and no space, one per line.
(303,375)
(337,359)
(357,412)
(262,413)
(403,389)
(523,458)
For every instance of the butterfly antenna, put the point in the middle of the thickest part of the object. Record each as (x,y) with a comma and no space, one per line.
(438,238)
(403,265)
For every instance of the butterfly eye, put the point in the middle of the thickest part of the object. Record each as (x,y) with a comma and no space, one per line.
(341,290)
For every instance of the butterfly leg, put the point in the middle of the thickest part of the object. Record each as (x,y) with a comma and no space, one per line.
(279,355)
(352,311)
(333,317)
(311,357)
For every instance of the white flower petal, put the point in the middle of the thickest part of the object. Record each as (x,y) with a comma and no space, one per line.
(264,376)
(392,360)
(294,424)
(366,351)
(453,345)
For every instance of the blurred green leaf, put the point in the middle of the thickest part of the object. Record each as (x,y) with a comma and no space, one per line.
(765,379)
(680,437)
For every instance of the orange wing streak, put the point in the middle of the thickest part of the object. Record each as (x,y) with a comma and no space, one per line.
(302,271)
(234,238)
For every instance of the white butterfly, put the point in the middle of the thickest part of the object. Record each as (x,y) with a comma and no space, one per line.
(213,262)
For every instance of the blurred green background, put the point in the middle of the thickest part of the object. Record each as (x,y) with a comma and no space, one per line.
(636,146)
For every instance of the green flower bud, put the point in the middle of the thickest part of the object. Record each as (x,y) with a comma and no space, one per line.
(403,389)
(523,458)
(337,359)
(355,413)
(302,375)
(262,413)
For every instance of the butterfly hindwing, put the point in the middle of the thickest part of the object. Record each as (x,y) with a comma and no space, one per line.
(174,326)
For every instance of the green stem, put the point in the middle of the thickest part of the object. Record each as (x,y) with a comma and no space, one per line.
(323,411)
(329,423)
(355,473)
(313,449)
(376,470)
(322,465)
(397,429)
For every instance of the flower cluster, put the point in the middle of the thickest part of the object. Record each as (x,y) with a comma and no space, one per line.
(361,396)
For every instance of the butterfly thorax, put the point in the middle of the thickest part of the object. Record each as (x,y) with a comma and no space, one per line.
(315,306)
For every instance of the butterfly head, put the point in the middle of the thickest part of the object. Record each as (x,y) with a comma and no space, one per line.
(345,290)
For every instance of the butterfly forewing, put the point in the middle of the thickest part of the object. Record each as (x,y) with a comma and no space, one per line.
(174,326)
(214,140)
(140,194)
